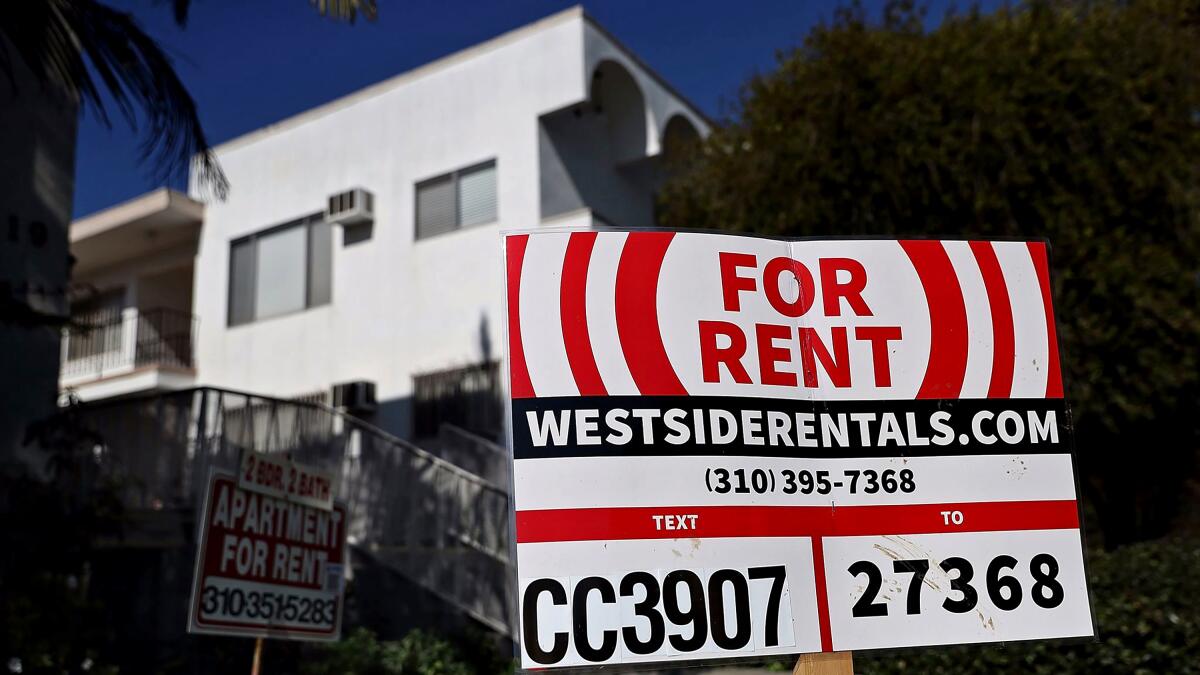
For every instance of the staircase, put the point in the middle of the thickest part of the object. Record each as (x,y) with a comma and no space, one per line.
(439,525)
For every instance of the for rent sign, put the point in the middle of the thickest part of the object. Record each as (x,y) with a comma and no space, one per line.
(267,566)
(735,446)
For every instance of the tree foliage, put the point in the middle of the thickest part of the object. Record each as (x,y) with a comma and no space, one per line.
(1148,623)
(51,519)
(360,653)
(1076,121)
(92,52)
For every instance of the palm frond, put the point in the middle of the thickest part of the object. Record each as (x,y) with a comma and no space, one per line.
(83,45)
(346,10)
(180,9)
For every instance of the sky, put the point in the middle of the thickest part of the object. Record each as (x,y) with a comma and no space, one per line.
(251,63)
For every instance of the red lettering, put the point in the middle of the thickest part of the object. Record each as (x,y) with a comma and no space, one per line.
(712,356)
(731,283)
(769,354)
(879,336)
(804,299)
(833,290)
(268,474)
(837,366)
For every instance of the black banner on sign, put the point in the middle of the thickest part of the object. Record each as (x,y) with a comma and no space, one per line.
(716,425)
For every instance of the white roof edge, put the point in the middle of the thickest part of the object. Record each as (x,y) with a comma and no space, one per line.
(153,202)
(574,12)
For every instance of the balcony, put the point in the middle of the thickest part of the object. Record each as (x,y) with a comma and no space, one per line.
(113,352)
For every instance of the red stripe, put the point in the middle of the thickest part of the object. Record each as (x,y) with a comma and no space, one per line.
(573,308)
(638,522)
(518,372)
(1054,387)
(947,318)
(818,549)
(1003,340)
(637,314)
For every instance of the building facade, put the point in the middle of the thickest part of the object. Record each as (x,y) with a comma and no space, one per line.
(344,305)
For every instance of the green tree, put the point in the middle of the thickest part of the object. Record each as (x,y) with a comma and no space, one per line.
(1076,121)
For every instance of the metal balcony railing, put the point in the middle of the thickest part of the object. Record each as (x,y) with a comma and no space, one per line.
(114,341)
(471,398)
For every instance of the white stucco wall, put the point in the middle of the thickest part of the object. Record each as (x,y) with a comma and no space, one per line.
(399,307)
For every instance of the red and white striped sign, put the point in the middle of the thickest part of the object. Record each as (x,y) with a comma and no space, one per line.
(742,446)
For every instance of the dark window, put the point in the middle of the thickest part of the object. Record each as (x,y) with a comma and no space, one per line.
(456,200)
(280,270)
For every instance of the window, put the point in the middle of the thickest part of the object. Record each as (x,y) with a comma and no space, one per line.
(456,200)
(280,270)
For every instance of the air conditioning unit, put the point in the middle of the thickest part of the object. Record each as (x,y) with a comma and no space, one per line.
(351,207)
(355,397)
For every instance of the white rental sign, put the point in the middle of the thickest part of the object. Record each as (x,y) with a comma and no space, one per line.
(735,446)
(279,476)
(267,564)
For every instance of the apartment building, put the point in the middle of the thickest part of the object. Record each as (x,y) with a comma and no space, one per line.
(344,305)
(357,260)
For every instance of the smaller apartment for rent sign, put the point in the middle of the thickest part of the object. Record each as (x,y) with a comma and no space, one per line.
(268,566)
(733,446)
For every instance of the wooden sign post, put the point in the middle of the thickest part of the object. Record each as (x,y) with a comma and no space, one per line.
(258,644)
(825,663)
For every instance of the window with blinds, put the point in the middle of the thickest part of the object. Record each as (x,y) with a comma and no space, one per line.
(281,270)
(456,200)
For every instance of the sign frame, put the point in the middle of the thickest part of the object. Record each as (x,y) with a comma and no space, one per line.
(1069,447)
(231,629)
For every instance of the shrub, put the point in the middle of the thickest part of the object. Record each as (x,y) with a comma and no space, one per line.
(1144,596)
(360,653)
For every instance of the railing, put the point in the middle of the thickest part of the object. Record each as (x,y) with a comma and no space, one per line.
(478,454)
(470,398)
(114,341)
(441,526)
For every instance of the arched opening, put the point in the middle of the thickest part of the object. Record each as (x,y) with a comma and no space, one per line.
(679,137)
(616,96)
(680,142)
